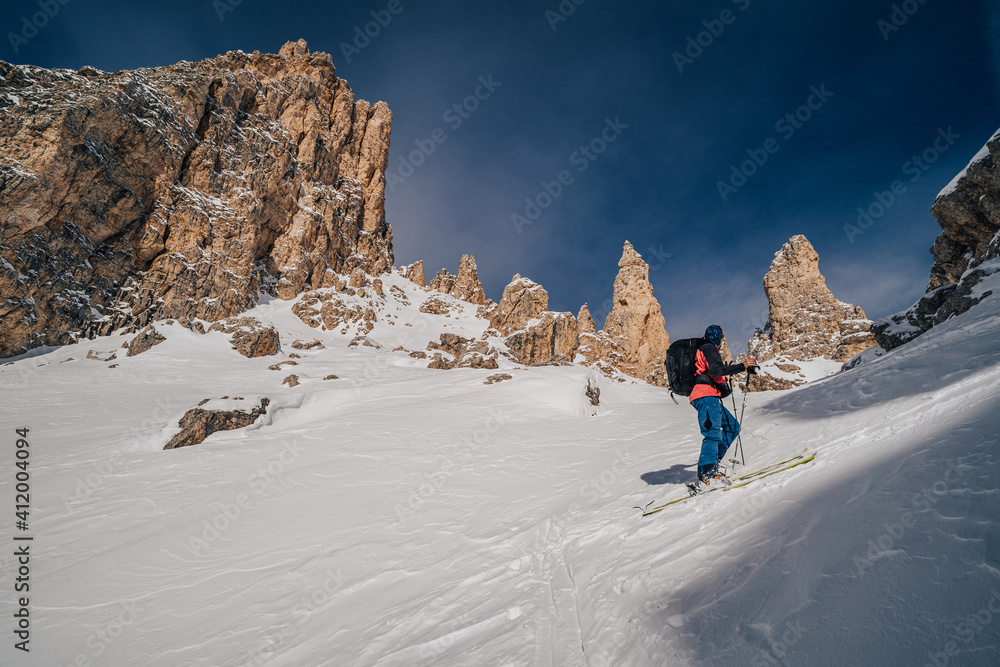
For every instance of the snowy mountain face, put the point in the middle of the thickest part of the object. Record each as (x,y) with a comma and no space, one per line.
(403,515)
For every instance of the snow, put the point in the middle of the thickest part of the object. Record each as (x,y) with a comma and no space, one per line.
(407,516)
(809,369)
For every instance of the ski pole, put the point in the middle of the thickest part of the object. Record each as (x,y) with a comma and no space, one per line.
(739,447)
(739,436)
(743,408)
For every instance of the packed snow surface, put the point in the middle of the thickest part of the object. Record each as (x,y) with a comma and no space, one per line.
(405,516)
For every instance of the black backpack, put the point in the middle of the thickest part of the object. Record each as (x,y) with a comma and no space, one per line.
(680,365)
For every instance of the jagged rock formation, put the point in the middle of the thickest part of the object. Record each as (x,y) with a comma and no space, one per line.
(443,282)
(464,286)
(181,191)
(467,286)
(805,320)
(414,273)
(634,339)
(585,321)
(523,299)
(197,424)
(534,335)
(249,336)
(968,211)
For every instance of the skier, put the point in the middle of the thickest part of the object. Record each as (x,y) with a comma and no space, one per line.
(718,426)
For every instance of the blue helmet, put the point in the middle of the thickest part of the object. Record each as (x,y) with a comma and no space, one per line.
(714,334)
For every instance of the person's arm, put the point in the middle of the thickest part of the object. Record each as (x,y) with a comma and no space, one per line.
(715,365)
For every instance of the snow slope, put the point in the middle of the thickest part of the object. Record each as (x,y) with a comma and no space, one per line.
(407,516)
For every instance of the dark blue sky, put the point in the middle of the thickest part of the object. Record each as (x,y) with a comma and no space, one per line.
(656,184)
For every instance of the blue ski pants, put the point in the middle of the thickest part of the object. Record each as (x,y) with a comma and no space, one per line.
(718,428)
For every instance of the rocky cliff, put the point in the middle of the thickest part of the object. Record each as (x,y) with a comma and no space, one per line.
(634,339)
(805,320)
(181,191)
(968,211)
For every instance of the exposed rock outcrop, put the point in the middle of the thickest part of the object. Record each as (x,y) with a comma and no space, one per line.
(333,311)
(464,286)
(363,341)
(438,305)
(464,353)
(548,336)
(805,320)
(966,252)
(523,300)
(534,335)
(593,392)
(765,382)
(197,424)
(145,340)
(585,321)
(414,273)
(249,336)
(180,191)
(442,282)
(634,339)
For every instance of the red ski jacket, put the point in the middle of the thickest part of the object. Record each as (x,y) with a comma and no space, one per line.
(711,372)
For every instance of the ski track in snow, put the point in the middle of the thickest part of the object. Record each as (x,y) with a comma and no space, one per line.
(406,516)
